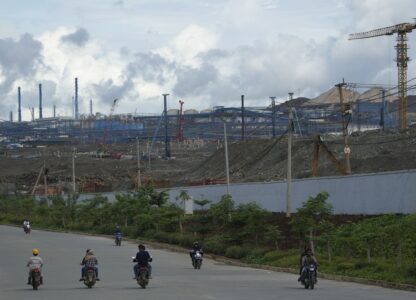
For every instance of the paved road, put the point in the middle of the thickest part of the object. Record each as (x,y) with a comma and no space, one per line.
(173,277)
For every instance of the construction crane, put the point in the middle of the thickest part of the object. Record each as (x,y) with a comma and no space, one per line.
(401,58)
(113,107)
(179,134)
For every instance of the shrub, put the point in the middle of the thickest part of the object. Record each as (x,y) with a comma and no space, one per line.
(214,245)
(236,252)
(345,266)
(411,271)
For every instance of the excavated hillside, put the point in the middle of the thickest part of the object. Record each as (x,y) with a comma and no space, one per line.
(264,160)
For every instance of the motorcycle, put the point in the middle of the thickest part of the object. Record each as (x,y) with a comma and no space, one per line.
(309,277)
(197,260)
(26,229)
(89,278)
(118,239)
(35,278)
(143,278)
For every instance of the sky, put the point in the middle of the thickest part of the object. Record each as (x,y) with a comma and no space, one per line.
(206,53)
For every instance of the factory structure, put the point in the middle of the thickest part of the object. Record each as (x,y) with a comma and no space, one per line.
(375,108)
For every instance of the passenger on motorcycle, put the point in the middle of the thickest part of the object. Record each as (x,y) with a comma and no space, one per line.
(307,260)
(35,262)
(195,247)
(89,260)
(142,258)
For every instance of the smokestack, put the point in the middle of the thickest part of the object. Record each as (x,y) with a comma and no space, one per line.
(54,111)
(40,101)
(76,99)
(90,107)
(32,111)
(19,104)
(11,116)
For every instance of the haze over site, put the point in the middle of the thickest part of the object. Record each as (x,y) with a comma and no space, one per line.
(205,52)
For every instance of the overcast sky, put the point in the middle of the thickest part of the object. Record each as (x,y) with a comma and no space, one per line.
(207,53)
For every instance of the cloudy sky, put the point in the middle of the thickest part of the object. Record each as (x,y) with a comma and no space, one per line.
(206,52)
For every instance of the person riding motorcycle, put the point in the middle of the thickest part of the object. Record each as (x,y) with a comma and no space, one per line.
(307,260)
(195,247)
(142,258)
(89,260)
(117,233)
(26,224)
(35,262)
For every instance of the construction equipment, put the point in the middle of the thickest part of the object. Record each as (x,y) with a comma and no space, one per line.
(402,59)
(179,134)
(110,120)
(317,146)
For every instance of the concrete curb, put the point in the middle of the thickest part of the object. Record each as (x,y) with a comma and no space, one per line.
(238,263)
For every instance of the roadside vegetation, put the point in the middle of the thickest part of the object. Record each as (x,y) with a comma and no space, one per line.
(372,247)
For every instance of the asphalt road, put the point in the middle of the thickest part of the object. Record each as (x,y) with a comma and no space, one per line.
(173,275)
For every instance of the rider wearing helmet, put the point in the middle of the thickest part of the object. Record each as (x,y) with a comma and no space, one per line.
(89,260)
(35,262)
(307,260)
(142,258)
(195,247)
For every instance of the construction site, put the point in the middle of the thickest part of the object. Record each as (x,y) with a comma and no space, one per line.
(348,129)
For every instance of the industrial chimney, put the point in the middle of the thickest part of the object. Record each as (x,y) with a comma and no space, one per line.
(40,101)
(90,107)
(11,117)
(19,105)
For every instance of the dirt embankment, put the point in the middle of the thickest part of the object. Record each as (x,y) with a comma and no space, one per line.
(255,160)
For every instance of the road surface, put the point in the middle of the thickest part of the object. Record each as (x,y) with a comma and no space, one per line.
(173,275)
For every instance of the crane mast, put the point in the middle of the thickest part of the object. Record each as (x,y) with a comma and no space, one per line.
(401,30)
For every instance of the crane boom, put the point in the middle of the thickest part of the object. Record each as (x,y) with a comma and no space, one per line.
(403,27)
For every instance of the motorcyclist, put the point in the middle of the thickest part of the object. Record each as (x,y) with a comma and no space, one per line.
(26,224)
(307,260)
(89,260)
(35,262)
(142,258)
(195,247)
(117,232)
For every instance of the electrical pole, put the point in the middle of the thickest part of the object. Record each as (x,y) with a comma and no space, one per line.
(344,112)
(148,153)
(289,159)
(227,170)
(73,171)
(242,119)
(383,108)
(165,111)
(139,180)
(273,116)
(45,183)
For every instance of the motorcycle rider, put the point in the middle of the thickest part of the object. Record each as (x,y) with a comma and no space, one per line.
(89,260)
(307,260)
(117,232)
(26,224)
(195,247)
(142,258)
(35,262)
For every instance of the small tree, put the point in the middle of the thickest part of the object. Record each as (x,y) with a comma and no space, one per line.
(202,203)
(311,215)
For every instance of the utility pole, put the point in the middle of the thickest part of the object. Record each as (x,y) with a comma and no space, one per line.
(148,153)
(45,183)
(227,170)
(165,111)
(73,171)
(289,159)
(344,112)
(273,116)
(139,180)
(242,119)
(383,108)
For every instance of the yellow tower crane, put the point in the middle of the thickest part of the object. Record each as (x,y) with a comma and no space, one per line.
(402,59)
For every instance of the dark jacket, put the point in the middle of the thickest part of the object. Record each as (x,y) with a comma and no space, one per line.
(143,258)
